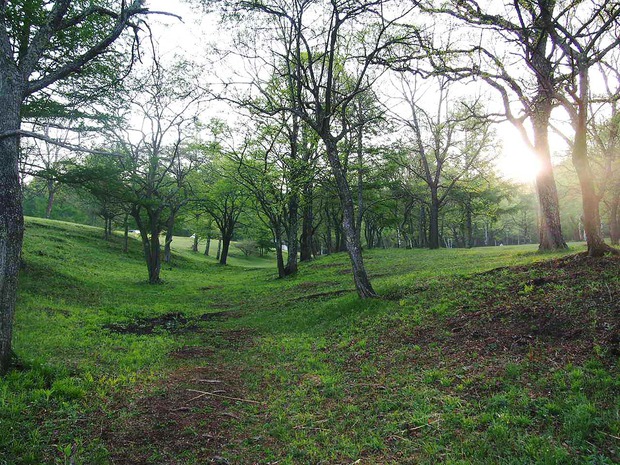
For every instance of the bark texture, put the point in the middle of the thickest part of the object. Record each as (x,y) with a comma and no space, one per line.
(350,232)
(51,193)
(433,229)
(223,253)
(589,197)
(292,235)
(550,228)
(11,216)
(150,244)
(307,230)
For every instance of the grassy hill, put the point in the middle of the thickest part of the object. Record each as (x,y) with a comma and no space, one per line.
(495,355)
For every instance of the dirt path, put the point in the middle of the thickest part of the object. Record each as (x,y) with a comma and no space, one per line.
(187,416)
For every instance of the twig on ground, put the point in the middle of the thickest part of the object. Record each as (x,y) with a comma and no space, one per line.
(430,423)
(375,385)
(204,393)
(610,435)
(182,409)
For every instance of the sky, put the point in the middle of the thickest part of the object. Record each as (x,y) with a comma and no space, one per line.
(191,37)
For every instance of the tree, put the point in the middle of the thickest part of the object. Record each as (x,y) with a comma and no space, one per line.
(605,133)
(521,28)
(326,69)
(77,33)
(448,143)
(275,165)
(223,198)
(155,156)
(46,158)
(583,33)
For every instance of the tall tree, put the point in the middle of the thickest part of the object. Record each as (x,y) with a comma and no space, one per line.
(449,141)
(155,153)
(530,82)
(42,43)
(314,49)
(272,167)
(584,33)
(605,133)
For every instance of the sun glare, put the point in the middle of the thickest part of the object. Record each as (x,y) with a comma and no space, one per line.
(517,162)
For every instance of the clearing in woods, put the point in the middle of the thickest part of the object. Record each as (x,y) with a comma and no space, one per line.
(495,355)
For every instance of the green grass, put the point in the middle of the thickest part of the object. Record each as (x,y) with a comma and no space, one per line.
(339,380)
(183,244)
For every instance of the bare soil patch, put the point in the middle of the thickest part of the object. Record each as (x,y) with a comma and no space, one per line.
(556,312)
(219,316)
(172,422)
(173,323)
(190,352)
(322,295)
(190,413)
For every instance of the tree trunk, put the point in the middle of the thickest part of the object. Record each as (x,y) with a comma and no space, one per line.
(219,249)
(150,244)
(614,221)
(195,243)
(590,201)
(279,255)
(293,226)
(107,228)
(51,192)
(11,215)
(126,234)
(337,233)
(550,230)
(226,238)
(316,245)
(168,242)
(369,235)
(208,246)
(469,233)
(351,234)
(154,259)
(306,226)
(433,232)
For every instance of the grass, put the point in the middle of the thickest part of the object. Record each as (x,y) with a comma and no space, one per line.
(235,256)
(454,364)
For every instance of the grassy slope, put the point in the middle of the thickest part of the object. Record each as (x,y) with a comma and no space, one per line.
(453,366)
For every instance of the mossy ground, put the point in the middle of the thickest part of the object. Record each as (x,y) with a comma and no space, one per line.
(493,355)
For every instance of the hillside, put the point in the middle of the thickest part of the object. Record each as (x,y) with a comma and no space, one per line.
(495,355)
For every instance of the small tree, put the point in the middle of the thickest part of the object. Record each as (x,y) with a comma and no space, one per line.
(222,198)
(249,247)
